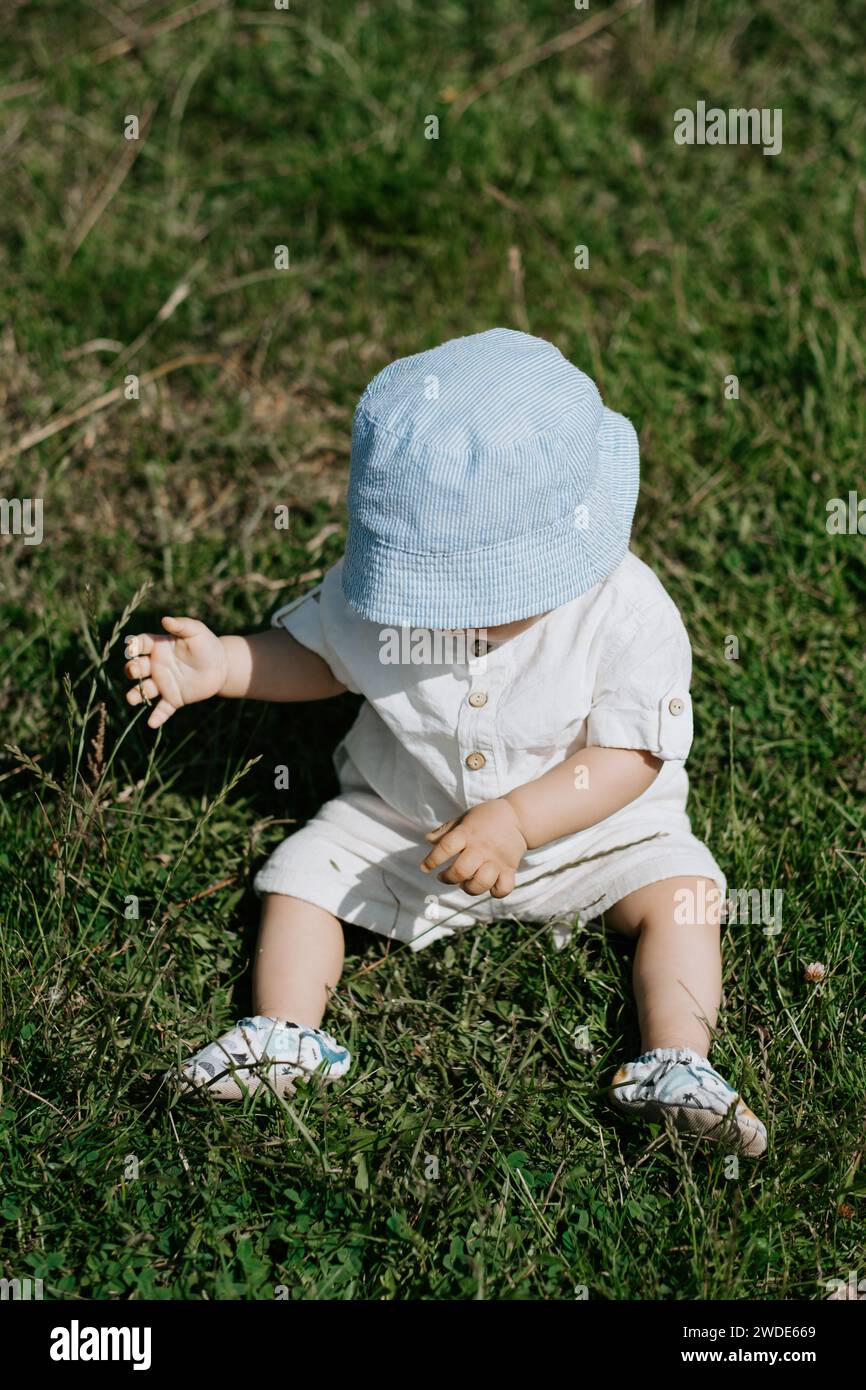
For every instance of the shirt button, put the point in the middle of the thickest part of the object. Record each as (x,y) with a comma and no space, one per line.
(676,706)
(477,699)
(475,761)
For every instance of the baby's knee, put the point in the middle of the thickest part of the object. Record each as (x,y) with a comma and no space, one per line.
(671,902)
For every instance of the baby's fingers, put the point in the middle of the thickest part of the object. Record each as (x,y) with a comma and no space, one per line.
(464,866)
(164,710)
(147,690)
(504,884)
(144,690)
(448,846)
(441,829)
(183,627)
(483,879)
(137,644)
(137,668)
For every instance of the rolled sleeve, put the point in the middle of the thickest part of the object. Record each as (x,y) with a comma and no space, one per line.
(307,620)
(642,699)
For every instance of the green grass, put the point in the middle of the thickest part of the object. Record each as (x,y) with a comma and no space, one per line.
(307,129)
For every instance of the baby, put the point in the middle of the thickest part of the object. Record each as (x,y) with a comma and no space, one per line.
(525,724)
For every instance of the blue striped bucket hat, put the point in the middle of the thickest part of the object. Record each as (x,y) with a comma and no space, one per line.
(488,483)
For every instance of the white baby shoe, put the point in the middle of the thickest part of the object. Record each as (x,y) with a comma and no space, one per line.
(261,1050)
(681,1084)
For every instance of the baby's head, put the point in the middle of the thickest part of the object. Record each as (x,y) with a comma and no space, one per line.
(489,484)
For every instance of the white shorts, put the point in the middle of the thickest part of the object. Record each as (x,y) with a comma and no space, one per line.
(359,859)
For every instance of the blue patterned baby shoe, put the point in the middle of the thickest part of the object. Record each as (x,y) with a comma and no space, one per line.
(679,1084)
(261,1050)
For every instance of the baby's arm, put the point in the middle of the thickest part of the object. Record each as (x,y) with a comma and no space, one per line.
(491,839)
(272,665)
(585,789)
(191,663)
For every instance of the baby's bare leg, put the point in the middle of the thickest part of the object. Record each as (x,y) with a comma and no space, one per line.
(677,965)
(677,984)
(299,960)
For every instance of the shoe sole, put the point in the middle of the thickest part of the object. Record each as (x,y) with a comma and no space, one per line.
(226,1086)
(744,1129)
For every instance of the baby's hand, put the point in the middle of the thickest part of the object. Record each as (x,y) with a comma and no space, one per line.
(489,845)
(188,665)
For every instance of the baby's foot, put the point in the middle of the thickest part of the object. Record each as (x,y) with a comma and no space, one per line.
(678,1082)
(262,1049)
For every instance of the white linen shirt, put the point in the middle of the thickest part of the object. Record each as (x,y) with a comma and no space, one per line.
(611,668)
